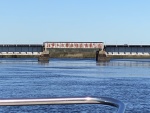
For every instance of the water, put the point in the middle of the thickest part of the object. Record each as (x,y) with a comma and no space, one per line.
(125,80)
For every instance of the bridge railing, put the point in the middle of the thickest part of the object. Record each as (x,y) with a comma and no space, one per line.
(60,101)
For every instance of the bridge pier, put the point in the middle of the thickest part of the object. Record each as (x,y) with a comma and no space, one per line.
(101,56)
(44,57)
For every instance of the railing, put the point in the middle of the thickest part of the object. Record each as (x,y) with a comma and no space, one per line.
(58,101)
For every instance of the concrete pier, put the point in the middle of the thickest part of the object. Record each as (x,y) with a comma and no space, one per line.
(101,56)
(44,57)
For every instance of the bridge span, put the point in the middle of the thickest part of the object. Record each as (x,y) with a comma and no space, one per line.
(20,49)
(127,49)
(71,49)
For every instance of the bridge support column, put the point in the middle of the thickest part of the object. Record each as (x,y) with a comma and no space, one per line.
(44,57)
(101,56)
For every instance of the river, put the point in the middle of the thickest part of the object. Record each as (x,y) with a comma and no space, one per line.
(127,80)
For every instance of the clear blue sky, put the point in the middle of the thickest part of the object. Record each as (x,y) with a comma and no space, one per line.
(109,21)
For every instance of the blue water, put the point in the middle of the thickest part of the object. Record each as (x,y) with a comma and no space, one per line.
(125,80)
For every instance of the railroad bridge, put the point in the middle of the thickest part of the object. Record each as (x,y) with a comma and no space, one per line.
(127,49)
(20,49)
(71,49)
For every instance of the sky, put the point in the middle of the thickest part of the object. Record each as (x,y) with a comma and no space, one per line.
(108,21)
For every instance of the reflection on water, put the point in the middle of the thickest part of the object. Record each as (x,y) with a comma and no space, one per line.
(127,62)
(127,80)
(43,62)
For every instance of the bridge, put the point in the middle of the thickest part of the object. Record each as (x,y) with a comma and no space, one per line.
(68,49)
(127,49)
(21,49)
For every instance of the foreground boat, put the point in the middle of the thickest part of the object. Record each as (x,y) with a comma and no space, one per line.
(60,101)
